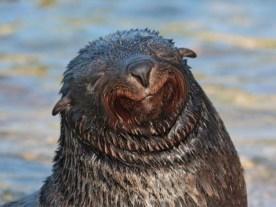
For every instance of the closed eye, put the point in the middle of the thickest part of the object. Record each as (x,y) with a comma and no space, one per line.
(94,82)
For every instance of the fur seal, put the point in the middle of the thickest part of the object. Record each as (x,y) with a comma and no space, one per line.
(137,130)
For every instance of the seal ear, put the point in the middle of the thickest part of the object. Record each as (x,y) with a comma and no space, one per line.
(63,104)
(185,52)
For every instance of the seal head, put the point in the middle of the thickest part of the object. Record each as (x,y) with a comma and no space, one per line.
(124,90)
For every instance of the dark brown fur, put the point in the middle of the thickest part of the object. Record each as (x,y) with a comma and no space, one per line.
(181,158)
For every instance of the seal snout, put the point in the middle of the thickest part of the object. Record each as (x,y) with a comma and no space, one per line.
(140,70)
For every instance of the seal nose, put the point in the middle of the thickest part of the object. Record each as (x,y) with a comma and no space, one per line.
(140,70)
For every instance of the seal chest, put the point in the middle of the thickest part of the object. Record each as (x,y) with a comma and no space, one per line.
(137,130)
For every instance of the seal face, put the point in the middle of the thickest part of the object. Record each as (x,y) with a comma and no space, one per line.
(138,131)
(148,101)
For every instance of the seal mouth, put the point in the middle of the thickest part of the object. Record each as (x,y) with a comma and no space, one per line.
(128,108)
(136,92)
(131,106)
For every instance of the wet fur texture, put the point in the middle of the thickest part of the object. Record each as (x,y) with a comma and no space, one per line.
(191,163)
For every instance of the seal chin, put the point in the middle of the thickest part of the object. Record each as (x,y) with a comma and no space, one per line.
(133,106)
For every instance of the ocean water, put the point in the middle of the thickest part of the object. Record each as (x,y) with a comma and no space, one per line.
(236,65)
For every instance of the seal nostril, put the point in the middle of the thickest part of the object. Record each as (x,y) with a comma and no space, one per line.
(139,79)
(141,72)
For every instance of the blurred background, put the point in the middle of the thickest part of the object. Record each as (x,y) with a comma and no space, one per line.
(236,46)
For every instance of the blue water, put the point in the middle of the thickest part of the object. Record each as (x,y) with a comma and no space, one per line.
(236,64)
